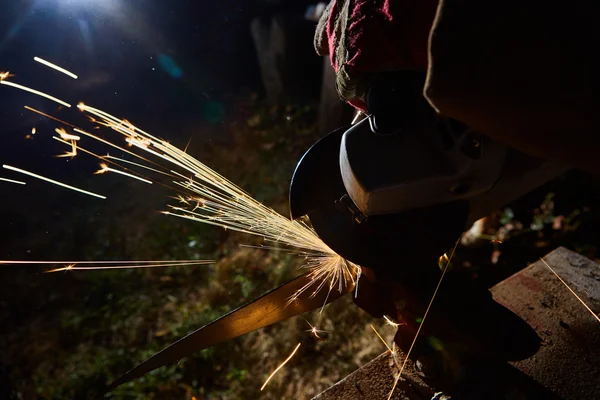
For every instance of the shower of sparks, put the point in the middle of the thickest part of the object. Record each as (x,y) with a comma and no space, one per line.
(314,331)
(108,143)
(105,168)
(30,90)
(571,290)
(55,67)
(12,181)
(33,131)
(280,366)
(217,201)
(43,178)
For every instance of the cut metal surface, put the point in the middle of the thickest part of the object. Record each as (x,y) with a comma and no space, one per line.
(268,309)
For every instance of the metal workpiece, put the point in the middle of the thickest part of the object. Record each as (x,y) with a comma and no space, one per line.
(568,361)
(566,366)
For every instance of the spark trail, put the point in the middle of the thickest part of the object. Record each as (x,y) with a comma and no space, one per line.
(43,178)
(281,366)
(214,200)
(12,181)
(571,290)
(30,90)
(55,67)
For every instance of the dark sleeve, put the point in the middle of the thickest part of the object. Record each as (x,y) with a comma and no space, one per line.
(524,72)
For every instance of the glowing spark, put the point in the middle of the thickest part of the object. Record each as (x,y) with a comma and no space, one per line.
(105,168)
(571,290)
(66,136)
(55,67)
(392,323)
(72,267)
(5,75)
(313,330)
(30,90)
(21,262)
(52,181)
(73,145)
(280,366)
(12,181)
(33,131)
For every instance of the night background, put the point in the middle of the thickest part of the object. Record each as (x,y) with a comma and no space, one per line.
(239,83)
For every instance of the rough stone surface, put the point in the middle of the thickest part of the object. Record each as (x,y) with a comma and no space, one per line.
(568,361)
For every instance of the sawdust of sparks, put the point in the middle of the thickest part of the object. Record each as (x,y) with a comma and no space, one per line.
(571,290)
(280,366)
(3,81)
(12,181)
(55,67)
(215,200)
(52,181)
(105,168)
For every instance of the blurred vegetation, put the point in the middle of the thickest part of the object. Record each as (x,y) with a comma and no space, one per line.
(84,329)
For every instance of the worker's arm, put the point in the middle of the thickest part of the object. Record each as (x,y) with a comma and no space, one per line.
(523,72)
